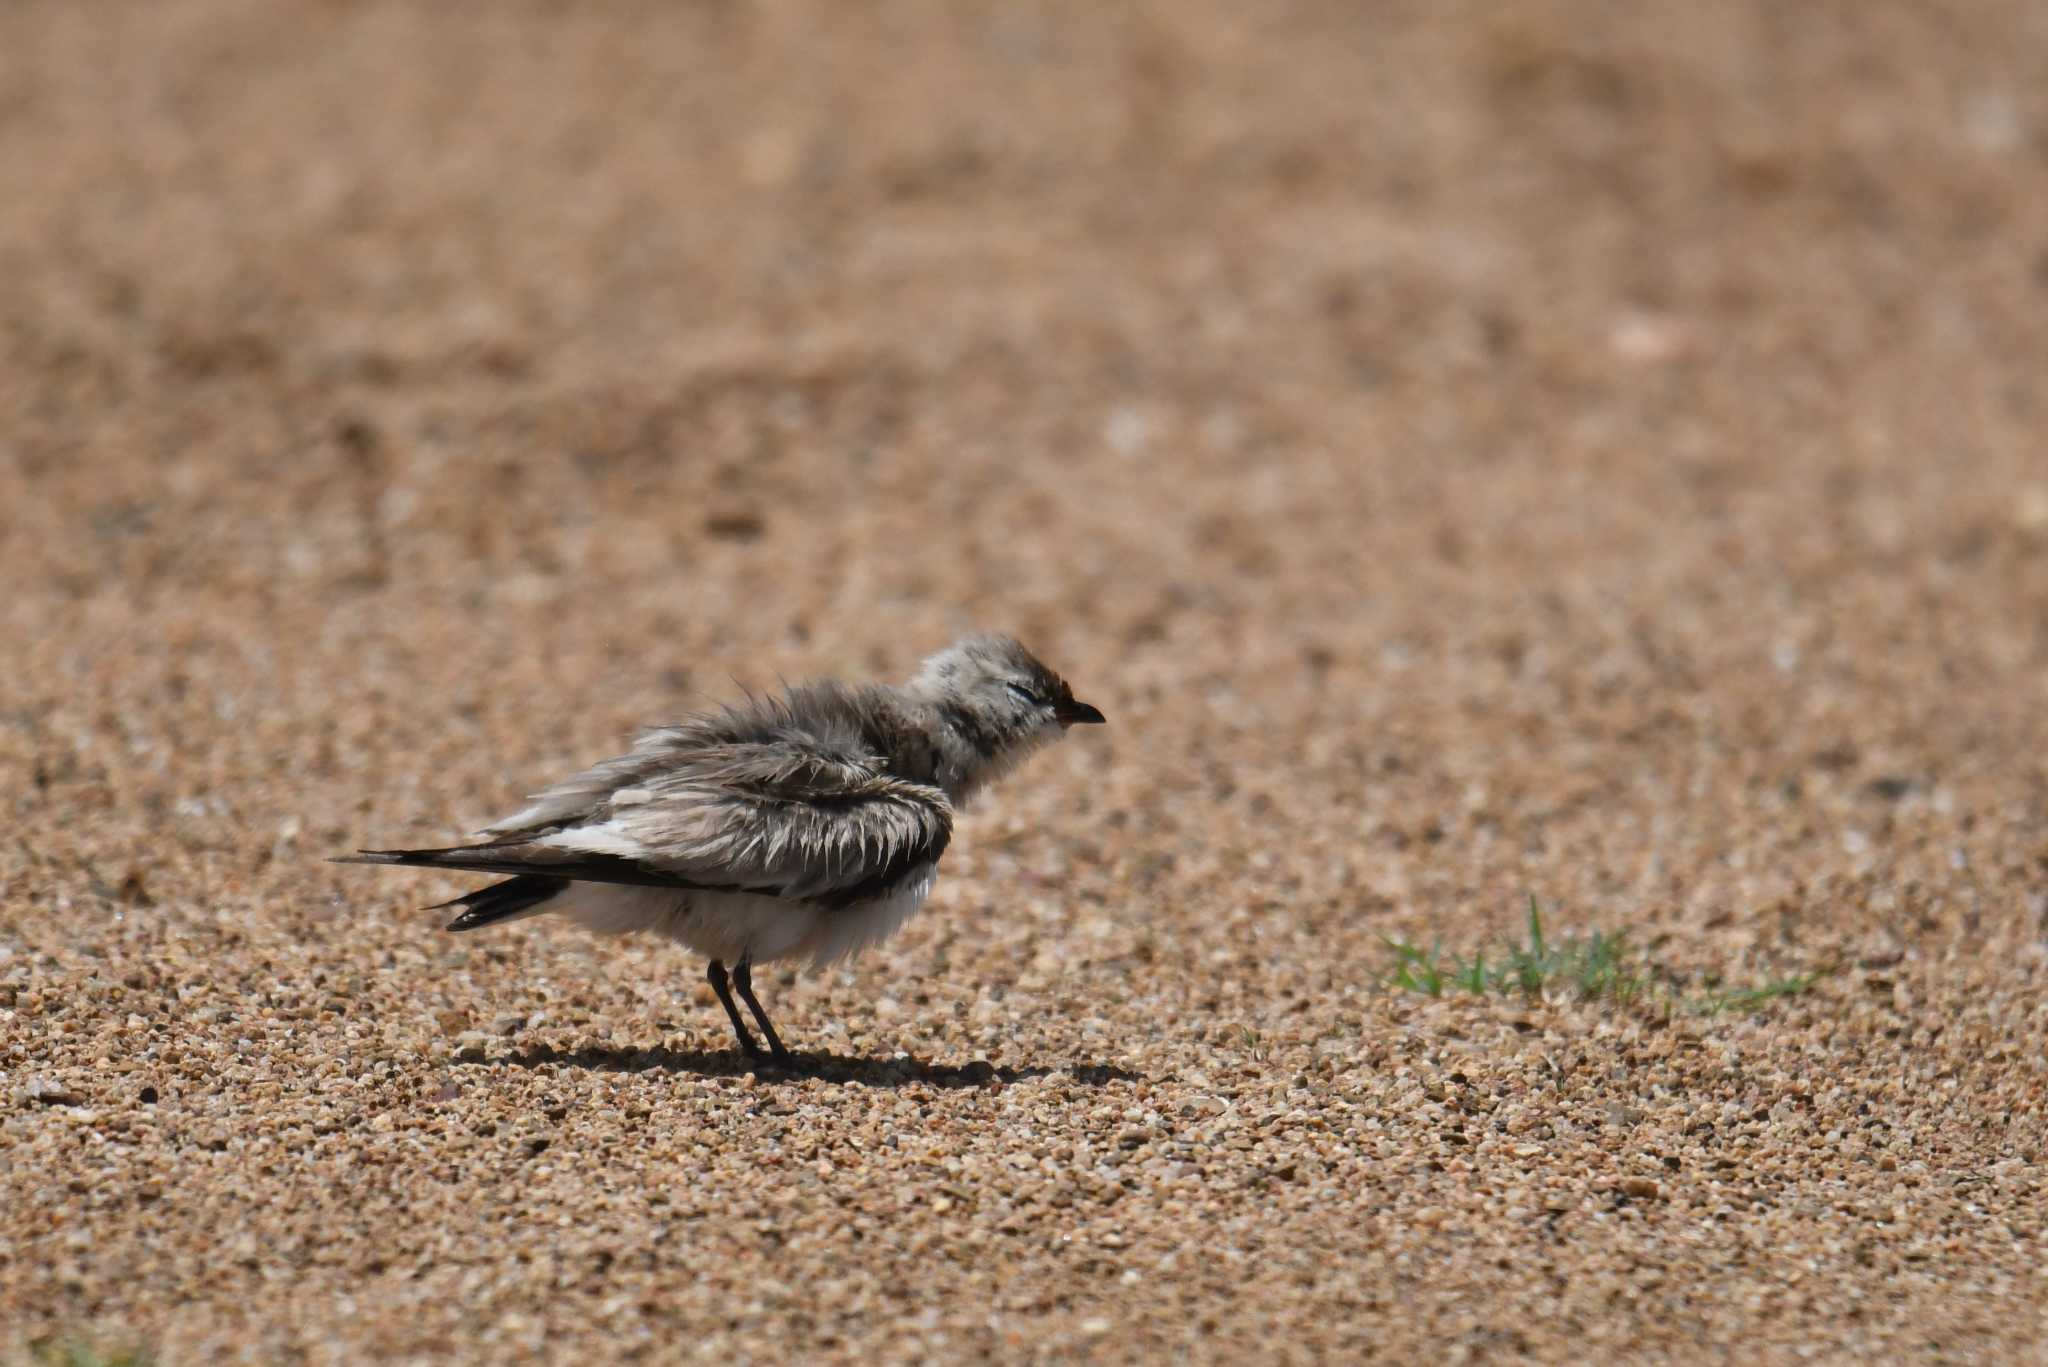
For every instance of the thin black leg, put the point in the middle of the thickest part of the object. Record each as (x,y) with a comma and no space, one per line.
(716,972)
(743,979)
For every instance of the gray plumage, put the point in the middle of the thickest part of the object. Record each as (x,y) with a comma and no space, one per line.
(805,824)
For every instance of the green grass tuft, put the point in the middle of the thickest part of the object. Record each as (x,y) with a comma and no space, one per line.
(1600,966)
(1751,998)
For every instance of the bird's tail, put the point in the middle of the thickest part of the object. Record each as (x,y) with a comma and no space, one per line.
(511,900)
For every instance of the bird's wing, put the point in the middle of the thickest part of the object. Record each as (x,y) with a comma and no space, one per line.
(792,816)
(799,820)
(582,796)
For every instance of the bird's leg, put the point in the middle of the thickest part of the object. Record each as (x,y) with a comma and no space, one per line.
(716,972)
(743,979)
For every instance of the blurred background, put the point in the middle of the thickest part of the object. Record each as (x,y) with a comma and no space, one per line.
(1582,449)
(1445,437)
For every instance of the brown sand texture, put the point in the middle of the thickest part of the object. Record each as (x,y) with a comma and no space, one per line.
(1576,451)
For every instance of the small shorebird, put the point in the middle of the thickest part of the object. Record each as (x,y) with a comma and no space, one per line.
(803,825)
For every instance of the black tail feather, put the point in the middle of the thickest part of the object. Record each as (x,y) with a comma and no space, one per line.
(425,859)
(509,900)
(583,868)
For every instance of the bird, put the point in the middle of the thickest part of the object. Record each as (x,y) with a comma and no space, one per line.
(805,824)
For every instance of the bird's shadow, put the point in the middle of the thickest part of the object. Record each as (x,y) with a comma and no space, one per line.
(833,1068)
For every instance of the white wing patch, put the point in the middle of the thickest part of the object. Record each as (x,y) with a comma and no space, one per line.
(605,838)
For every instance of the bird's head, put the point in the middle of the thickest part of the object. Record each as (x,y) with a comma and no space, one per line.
(999,701)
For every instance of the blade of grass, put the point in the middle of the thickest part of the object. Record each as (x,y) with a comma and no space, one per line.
(1415,969)
(1472,977)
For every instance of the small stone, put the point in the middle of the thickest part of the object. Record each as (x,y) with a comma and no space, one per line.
(1649,338)
(2030,508)
(736,524)
(1642,1188)
(45,1092)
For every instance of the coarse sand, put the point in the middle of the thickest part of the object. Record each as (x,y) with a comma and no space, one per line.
(1472,452)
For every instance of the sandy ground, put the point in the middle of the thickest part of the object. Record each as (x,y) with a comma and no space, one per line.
(1470,451)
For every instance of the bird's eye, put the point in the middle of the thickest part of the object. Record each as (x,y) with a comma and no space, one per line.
(1025,695)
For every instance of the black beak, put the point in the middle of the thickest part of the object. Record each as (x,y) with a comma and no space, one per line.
(1075,713)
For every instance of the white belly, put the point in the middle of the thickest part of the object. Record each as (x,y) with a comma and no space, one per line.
(838,935)
(732,926)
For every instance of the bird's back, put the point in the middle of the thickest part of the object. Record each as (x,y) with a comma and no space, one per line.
(805,744)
